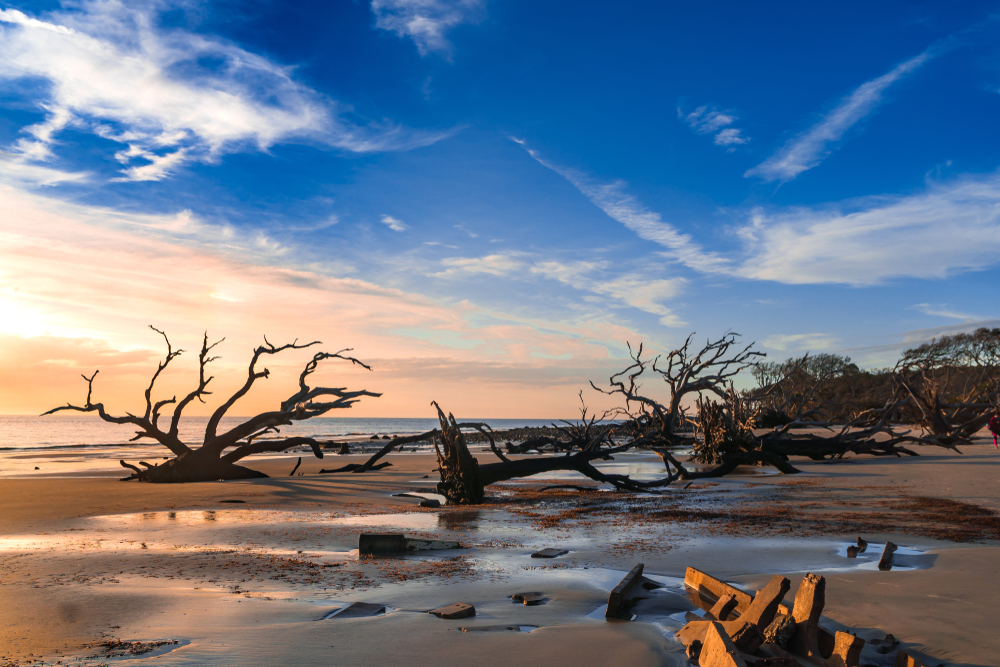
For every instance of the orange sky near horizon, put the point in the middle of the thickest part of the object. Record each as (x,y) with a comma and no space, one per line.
(81,285)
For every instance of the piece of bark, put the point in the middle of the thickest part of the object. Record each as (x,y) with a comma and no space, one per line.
(617,599)
(454,611)
(718,650)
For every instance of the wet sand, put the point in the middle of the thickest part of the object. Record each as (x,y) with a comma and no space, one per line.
(86,559)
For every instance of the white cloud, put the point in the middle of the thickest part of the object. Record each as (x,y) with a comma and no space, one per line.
(631,289)
(942,310)
(17,169)
(811,147)
(730,137)
(626,209)
(112,70)
(494,265)
(708,120)
(800,342)
(425,21)
(393,223)
(946,229)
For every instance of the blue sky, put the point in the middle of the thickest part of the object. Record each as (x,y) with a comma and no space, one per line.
(504,190)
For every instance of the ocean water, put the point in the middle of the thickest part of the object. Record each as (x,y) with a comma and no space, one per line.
(58,431)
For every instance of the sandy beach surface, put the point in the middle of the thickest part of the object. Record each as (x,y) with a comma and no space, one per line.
(97,571)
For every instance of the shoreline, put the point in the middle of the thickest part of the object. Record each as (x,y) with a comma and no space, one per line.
(743,528)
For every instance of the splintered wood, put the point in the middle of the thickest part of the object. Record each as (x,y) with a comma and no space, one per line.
(764,631)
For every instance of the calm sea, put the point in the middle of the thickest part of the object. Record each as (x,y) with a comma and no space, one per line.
(30,432)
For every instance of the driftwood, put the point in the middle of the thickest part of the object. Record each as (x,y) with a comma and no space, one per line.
(211,460)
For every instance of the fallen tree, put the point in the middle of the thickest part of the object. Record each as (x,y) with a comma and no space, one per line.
(216,457)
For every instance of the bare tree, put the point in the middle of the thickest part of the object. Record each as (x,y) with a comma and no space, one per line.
(952,384)
(211,460)
(685,373)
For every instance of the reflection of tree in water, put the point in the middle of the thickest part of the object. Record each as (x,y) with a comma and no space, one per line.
(459,520)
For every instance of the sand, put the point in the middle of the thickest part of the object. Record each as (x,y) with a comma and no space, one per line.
(86,559)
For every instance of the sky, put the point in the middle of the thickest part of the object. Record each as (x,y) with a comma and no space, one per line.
(487,200)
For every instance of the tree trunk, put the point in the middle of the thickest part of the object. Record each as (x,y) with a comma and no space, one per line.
(193,466)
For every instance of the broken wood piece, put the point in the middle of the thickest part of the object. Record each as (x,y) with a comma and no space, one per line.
(549,553)
(723,607)
(810,599)
(716,588)
(853,551)
(746,631)
(359,610)
(718,650)
(904,659)
(381,543)
(846,650)
(885,562)
(430,502)
(616,600)
(529,599)
(454,611)
(862,545)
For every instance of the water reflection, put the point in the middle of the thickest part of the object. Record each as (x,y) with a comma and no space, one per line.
(459,520)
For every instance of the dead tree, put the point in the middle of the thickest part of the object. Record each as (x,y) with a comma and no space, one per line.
(216,457)
(952,383)
(685,373)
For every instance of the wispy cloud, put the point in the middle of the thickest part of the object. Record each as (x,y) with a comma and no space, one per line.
(815,342)
(494,265)
(615,290)
(942,310)
(708,120)
(394,224)
(632,289)
(950,227)
(18,169)
(613,199)
(812,146)
(170,96)
(425,21)
(462,228)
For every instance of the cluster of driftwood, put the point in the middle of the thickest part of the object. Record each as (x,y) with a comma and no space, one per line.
(740,629)
(725,432)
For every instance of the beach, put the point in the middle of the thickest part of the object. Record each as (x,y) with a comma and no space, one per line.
(249,572)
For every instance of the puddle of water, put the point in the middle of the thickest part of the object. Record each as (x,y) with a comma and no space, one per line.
(413,520)
(903,559)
